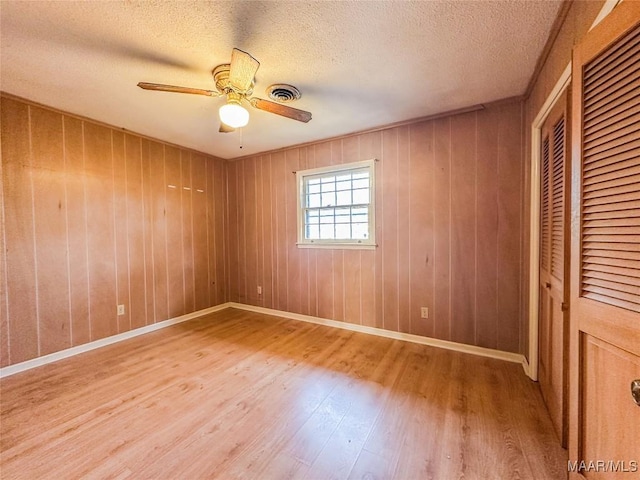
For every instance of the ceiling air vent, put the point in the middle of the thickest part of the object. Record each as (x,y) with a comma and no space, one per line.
(283,93)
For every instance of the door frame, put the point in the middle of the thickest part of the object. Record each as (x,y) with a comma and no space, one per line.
(531,363)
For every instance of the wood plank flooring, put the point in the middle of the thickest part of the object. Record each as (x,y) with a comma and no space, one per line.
(244,395)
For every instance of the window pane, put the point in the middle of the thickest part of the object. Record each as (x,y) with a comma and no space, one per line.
(326,232)
(313,181)
(344,198)
(313,189)
(343,177)
(361,183)
(327,216)
(360,231)
(363,174)
(341,186)
(328,187)
(313,216)
(361,196)
(343,231)
(313,232)
(328,199)
(313,200)
(343,215)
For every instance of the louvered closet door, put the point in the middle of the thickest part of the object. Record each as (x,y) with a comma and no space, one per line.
(553,318)
(604,420)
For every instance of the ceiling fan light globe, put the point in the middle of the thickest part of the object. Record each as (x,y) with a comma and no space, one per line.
(234,115)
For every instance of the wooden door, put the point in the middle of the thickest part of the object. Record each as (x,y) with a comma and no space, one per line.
(554,292)
(604,420)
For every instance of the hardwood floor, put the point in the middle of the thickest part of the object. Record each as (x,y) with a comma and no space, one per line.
(245,395)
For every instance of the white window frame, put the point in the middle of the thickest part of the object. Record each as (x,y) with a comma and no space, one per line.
(363,244)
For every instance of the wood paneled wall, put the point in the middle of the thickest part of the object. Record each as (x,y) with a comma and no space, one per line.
(449,220)
(95,217)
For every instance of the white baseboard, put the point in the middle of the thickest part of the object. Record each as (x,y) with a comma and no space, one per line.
(70,352)
(408,337)
(434,342)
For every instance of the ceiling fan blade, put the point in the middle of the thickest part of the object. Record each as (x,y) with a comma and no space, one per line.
(243,69)
(172,88)
(279,109)
(224,128)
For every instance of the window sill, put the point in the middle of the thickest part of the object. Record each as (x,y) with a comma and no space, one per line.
(339,246)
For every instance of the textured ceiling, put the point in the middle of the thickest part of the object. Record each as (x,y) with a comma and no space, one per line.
(358,64)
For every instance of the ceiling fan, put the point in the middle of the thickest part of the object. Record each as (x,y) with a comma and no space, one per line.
(236,82)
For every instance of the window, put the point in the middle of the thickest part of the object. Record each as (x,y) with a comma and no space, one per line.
(336,206)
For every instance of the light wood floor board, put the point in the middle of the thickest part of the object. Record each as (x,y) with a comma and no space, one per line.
(244,395)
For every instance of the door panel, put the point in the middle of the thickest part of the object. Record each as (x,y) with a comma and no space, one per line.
(609,433)
(605,246)
(553,319)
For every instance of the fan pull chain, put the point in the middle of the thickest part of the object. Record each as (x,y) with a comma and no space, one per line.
(241,137)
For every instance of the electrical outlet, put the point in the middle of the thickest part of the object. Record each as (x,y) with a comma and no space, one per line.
(424,312)
(120,309)
(259,290)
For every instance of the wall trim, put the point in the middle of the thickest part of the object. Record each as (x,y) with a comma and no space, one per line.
(407,337)
(606,9)
(103,342)
(11,96)
(389,126)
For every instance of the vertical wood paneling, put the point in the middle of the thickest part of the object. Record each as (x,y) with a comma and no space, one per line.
(19,234)
(135,232)
(463,228)
(217,218)
(50,228)
(211,221)
(442,228)
(242,232)
(159,232)
(389,242)
(267,233)
(259,251)
(100,229)
(312,254)
(77,230)
(280,176)
(148,229)
(448,202)
(487,224)
(232,207)
(291,251)
(200,223)
(420,262)
(509,257)
(371,264)
(378,287)
(303,254)
(85,229)
(403,234)
(120,226)
(174,234)
(4,319)
(187,192)
(251,237)
(220,222)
